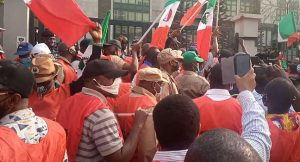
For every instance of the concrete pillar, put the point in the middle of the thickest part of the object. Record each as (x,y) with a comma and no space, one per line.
(16,23)
(247,27)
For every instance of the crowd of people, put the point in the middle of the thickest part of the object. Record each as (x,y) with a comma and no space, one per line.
(118,103)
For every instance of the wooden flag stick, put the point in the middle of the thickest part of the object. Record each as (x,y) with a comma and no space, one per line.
(154,22)
(218,13)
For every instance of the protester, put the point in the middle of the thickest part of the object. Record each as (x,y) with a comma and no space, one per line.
(228,146)
(2,53)
(112,52)
(66,56)
(172,41)
(24,54)
(83,45)
(141,96)
(217,105)
(23,135)
(124,44)
(188,82)
(92,129)
(50,40)
(47,94)
(150,59)
(169,61)
(284,126)
(176,123)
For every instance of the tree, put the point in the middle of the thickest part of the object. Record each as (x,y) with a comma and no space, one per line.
(1,2)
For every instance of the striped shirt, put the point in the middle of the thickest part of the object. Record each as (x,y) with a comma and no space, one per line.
(256,129)
(100,137)
(170,156)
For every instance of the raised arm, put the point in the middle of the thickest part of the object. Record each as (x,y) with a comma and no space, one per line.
(255,126)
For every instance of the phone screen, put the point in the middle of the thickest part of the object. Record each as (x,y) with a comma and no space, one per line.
(227,66)
(242,64)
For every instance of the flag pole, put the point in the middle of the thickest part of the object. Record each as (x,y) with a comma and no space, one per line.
(154,22)
(184,25)
(218,13)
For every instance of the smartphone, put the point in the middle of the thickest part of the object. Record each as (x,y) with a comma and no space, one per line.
(242,64)
(227,67)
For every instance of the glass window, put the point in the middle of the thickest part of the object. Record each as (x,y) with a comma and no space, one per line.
(124,30)
(118,1)
(131,1)
(131,16)
(124,1)
(117,31)
(139,2)
(231,7)
(138,16)
(146,17)
(138,32)
(146,2)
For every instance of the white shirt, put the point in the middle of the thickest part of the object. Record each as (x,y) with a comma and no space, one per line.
(218,94)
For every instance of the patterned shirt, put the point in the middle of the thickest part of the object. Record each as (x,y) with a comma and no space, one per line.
(256,130)
(100,136)
(29,128)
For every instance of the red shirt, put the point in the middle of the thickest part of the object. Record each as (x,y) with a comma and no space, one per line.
(48,105)
(219,114)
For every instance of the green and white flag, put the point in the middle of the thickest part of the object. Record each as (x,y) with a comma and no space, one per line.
(286,27)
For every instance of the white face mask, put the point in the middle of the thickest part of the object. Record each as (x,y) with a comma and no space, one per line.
(112,89)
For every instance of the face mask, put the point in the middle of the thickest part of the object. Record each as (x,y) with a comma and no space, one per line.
(26,62)
(42,90)
(112,89)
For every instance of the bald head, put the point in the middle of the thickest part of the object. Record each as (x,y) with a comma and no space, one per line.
(221,145)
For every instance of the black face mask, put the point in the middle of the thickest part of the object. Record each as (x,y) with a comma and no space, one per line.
(3,108)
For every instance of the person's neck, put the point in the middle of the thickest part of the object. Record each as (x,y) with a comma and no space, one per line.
(22,105)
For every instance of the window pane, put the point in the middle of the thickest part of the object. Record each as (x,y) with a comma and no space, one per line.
(131,16)
(139,16)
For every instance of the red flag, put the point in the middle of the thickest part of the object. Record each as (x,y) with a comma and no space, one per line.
(293,38)
(192,13)
(160,35)
(63,17)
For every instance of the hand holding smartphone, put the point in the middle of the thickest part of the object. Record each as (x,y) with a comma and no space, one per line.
(240,64)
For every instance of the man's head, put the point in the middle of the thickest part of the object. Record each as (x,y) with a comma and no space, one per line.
(169,60)
(124,42)
(145,48)
(261,79)
(48,38)
(215,77)
(150,79)
(67,52)
(279,95)
(16,83)
(113,47)
(104,77)
(45,73)
(24,53)
(221,145)
(176,122)
(151,56)
(192,62)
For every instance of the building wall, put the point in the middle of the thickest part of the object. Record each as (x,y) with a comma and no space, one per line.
(156,8)
(15,26)
(90,7)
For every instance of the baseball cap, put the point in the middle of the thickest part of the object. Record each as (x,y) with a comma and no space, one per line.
(24,48)
(190,57)
(168,54)
(40,48)
(102,67)
(16,77)
(114,42)
(44,69)
(151,75)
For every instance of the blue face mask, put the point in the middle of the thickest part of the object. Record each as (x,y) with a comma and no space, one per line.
(26,62)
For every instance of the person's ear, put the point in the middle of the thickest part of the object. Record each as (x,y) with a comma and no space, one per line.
(14,100)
